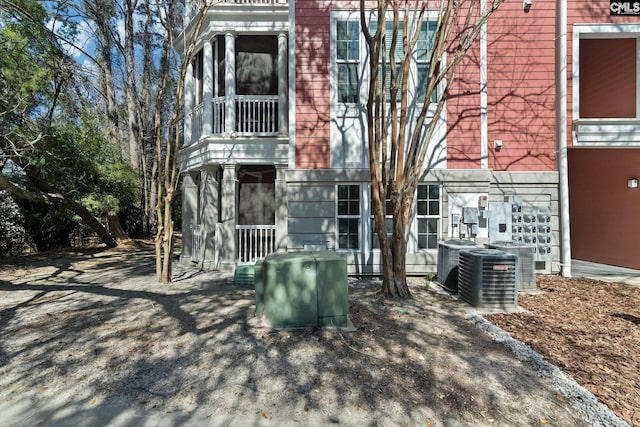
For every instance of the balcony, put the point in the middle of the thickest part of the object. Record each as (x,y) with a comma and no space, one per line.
(236,99)
(236,90)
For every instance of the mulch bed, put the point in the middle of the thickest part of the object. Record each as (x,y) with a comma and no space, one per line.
(591,330)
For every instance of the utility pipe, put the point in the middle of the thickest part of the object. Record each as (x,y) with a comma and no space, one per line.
(484,122)
(561,135)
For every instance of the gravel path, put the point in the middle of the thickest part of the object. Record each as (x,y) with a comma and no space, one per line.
(89,339)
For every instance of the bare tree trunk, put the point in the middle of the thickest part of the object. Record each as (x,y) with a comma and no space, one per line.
(116,228)
(98,11)
(153,194)
(163,177)
(149,155)
(167,242)
(396,175)
(168,173)
(133,125)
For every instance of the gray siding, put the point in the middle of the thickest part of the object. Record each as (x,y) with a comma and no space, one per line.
(311,196)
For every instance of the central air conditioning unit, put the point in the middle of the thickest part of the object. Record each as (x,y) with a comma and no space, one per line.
(526,268)
(487,278)
(447,273)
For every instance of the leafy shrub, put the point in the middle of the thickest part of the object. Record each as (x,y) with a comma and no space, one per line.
(48,225)
(12,232)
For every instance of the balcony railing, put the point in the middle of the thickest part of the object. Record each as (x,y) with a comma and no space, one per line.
(255,241)
(218,116)
(196,5)
(255,115)
(196,122)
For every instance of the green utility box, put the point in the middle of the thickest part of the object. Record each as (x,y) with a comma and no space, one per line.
(259,286)
(304,289)
(333,289)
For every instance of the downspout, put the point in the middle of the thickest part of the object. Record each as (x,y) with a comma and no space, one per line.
(484,122)
(292,85)
(561,135)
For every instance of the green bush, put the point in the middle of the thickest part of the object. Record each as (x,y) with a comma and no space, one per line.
(12,232)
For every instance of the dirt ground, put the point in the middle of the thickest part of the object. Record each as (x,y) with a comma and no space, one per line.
(88,330)
(591,331)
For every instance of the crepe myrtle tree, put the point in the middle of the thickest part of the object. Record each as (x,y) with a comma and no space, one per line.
(398,139)
(168,137)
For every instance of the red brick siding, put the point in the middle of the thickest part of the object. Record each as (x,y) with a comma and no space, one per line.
(463,115)
(521,92)
(312,84)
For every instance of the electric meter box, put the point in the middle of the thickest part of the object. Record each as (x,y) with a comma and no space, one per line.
(501,224)
(469,215)
(305,289)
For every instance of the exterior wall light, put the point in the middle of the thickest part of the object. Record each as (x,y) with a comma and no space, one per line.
(632,183)
(526,5)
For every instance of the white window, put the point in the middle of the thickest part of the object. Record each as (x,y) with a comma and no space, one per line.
(348,216)
(424,46)
(349,74)
(350,52)
(348,60)
(388,222)
(428,216)
(353,202)
(419,66)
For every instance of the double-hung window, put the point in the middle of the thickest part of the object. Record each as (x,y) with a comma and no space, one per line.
(388,223)
(348,216)
(348,60)
(428,216)
(424,46)
(419,66)
(420,59)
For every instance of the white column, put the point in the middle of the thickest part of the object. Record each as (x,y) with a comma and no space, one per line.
(282,209)
(209,214)
(230,83)
(228,210)
(283,111)
(188,103)
(189,215)
(207,98)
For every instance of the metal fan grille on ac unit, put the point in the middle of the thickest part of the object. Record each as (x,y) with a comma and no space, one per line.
(487,278)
